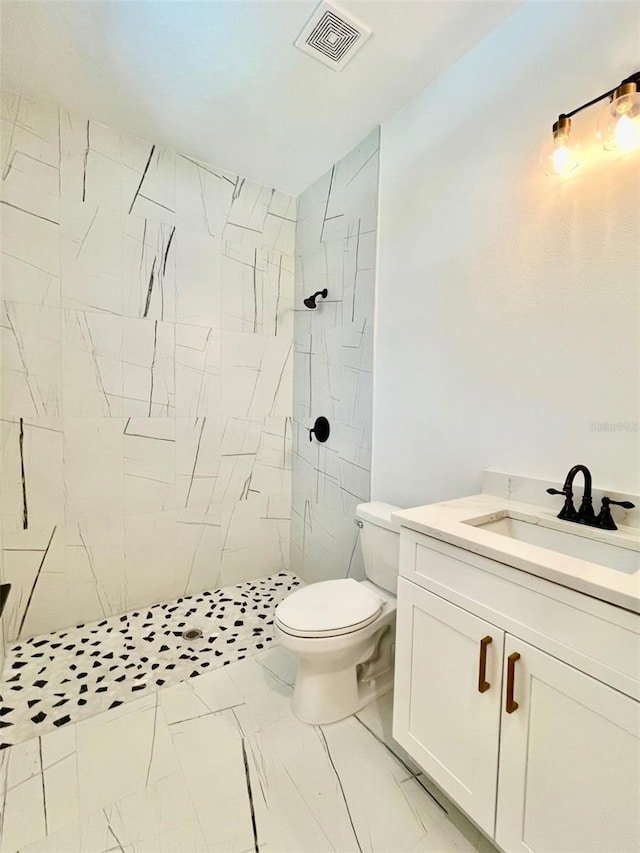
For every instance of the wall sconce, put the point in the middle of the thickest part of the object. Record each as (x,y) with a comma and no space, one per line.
(561,154)
(619,124)
(618,128)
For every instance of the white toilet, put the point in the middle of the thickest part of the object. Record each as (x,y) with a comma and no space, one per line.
(343,631)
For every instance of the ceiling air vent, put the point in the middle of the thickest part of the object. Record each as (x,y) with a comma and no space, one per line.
(332,37)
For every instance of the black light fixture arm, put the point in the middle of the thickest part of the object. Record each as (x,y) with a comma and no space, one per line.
(634,78)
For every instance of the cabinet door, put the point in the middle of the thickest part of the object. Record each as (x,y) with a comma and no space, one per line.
(569,761)
(442,719)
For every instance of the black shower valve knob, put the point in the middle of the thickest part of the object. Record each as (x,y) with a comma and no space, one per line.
(320,429)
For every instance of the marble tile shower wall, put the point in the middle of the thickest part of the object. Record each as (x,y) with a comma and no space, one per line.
(333,354)
(2,644)
(147,331)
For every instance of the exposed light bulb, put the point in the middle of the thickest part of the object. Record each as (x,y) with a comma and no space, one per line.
(560,153)
(627,134)
(561,159)
(619,124)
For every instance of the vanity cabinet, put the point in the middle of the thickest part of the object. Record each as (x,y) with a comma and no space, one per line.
(532,732)
(440,717)
(569,761)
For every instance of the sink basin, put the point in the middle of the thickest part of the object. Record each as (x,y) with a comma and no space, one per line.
(613,555)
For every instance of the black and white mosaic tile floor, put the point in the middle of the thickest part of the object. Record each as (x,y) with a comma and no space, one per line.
(60,678)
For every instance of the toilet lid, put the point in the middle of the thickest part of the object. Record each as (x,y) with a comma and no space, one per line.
(328,608)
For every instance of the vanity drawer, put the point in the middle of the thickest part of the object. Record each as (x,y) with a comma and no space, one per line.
(594,636)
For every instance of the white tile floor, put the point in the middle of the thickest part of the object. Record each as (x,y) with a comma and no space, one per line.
(219,763)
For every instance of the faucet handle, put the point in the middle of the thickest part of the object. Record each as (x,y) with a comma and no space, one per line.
(605,519)
(625,504)
(568,511)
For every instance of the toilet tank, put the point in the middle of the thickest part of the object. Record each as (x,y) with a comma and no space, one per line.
(380,543)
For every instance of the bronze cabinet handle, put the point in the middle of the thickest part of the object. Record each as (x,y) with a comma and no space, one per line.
(511,705)
(483,684)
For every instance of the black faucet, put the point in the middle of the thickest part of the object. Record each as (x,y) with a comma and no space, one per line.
(586,515)
(605,519)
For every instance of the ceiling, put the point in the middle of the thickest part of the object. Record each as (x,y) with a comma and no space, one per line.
(221,81)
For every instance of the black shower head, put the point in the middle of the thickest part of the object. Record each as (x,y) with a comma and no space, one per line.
(310,301)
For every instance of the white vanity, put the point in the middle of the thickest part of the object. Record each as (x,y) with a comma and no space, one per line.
(517,683)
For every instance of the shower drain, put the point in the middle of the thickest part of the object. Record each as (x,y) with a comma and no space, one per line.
(192,634)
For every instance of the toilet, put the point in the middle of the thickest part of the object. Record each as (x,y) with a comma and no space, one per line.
(343,631)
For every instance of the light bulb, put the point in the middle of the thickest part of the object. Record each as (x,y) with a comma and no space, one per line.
(560,159)
(559,155)
(619,124)
(627,134)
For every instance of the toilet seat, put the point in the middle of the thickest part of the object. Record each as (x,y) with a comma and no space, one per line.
(328,609)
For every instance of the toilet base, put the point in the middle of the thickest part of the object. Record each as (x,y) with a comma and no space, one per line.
(317,700)
(329,688)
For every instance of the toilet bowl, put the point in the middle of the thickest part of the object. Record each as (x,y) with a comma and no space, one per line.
(343,631)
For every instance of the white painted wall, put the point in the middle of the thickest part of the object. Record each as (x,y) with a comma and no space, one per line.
(507,312)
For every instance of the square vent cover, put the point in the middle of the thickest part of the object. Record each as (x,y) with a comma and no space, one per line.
(332,37)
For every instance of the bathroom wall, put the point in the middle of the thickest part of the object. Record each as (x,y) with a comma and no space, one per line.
(2,620)
(507,320)
(335,249)
(147,331)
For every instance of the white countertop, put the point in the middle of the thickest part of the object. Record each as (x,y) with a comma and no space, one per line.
(449,522)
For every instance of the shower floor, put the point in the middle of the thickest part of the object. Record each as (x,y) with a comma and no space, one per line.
(60,678)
